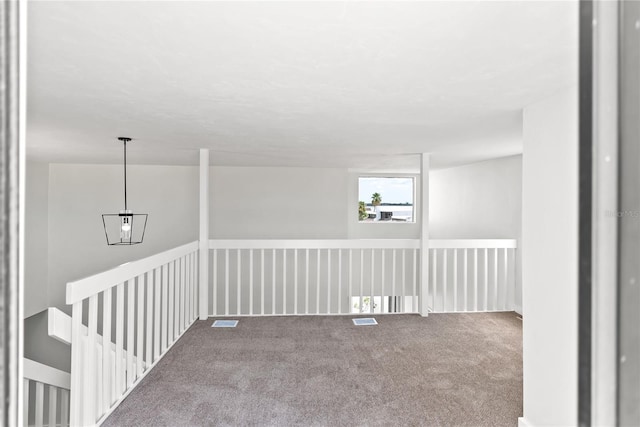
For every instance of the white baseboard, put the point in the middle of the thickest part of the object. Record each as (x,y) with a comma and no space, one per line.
(522,422)
(518,309)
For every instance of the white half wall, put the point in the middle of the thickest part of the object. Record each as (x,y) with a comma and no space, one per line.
(479,201)
(80,194)
(278,203)
(550,261)
(36,237)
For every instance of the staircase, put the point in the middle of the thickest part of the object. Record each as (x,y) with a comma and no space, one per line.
(46,389)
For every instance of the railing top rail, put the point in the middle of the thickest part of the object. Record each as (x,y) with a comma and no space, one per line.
(360,244)
(473,243)
(315,244)
(84,288)
(46,374)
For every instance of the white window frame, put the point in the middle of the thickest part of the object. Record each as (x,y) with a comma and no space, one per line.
(414,178)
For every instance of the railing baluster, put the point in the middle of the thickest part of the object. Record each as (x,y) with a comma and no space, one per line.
(195,280)
(187,291)
(404,282)
(394,298)
(495,279)
(226,282)
(465,281)
(150,326)
(179,299)
(140,324)
(444,279)
(373,264)
(262,282)
(53,402)
(328,281)
(183,292)
(382,279)
(191,289)
(295,281)
(284,281)
(486,279)
(273,282)
(172,304)
(306,293)
(361,306)
(434,278)
(318,282)
(130,330)
(339,281)
(107,376)
(165,306)
(414,298)
(91,370)
(475,279)
(506,279)
(455,280)
(215,283)
(156,309)
(99,381)
(250,282)
(349,295)
(239,283)
(188,285)
(39,404)
(119,374)
(176,300)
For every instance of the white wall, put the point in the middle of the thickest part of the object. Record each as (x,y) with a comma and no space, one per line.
(278,203)
(550,266)
(80,194)
(479,201)
(246,202)
(292,203)
(36,237)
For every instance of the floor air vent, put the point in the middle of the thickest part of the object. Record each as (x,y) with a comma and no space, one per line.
(225,324)
(365,321)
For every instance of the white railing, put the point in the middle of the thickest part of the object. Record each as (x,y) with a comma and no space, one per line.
(299,277)
(46,395)
(141,308)
(155,302)
(472,275)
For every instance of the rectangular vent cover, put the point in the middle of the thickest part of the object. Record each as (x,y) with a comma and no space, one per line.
(365,321)
(225,324)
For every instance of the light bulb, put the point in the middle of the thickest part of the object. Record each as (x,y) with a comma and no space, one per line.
(125,228)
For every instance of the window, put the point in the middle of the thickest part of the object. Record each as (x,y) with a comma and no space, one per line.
(386,199)
(386,304)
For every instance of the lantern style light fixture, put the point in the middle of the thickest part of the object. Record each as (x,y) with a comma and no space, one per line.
(125,227)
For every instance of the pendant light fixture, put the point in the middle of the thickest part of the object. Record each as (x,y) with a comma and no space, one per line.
(125,227)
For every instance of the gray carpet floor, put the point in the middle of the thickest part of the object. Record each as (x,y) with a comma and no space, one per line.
(443,370)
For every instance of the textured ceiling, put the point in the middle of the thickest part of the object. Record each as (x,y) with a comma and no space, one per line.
(363,85)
